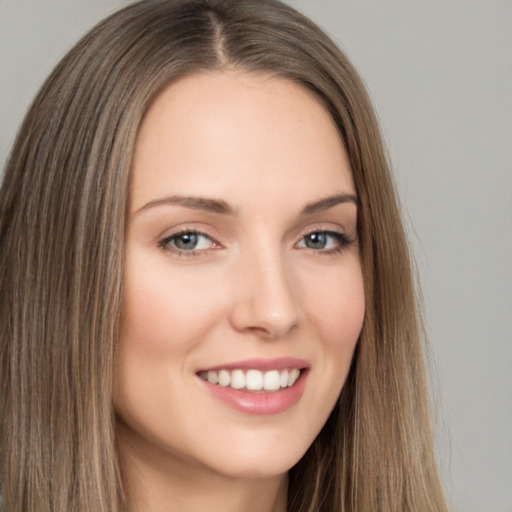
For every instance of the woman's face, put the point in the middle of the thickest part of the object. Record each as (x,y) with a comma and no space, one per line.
(242,267)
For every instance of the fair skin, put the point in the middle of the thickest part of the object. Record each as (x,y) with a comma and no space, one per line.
(242,258)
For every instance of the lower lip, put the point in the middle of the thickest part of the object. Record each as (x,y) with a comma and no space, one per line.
(259,403)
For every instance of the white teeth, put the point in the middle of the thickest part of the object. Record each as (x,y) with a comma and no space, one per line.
(283,379)
(294,375)
(212,377)
(238,379)
(271,381)
(224,378)
(252,380)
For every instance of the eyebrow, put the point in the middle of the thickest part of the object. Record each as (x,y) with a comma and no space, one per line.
(328,202)
(221,207)
(195,203)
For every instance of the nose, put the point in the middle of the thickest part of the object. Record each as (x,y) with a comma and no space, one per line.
(265,301)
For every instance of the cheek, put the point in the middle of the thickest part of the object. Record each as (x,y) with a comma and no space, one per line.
(166,310)
(337,308)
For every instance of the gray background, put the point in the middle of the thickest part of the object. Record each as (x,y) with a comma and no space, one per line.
(440,74)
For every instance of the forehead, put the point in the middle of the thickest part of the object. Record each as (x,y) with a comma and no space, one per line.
(223,133)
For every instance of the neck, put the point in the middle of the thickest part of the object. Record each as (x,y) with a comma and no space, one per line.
(159,495)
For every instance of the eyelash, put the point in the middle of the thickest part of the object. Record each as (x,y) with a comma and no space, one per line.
(342,242)
(166,243)
(341,239)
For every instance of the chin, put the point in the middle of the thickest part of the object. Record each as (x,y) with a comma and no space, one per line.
(252,462)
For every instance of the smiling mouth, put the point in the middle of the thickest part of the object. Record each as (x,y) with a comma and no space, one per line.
(252,380)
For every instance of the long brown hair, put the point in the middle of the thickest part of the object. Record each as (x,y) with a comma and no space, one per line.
(63,207)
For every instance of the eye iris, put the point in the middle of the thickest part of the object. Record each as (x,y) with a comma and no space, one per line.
(316,241)
(186,241)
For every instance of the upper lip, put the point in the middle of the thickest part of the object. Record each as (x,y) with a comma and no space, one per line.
(281,363)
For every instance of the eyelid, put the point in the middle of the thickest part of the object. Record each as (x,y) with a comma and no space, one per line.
(342,238)
(165,244)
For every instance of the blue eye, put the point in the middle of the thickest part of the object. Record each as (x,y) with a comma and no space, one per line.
(328,241)
(187,241)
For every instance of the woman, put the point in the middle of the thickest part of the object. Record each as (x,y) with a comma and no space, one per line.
(207,290)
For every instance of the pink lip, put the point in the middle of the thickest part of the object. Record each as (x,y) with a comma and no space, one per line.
(260,402)
(281,363)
